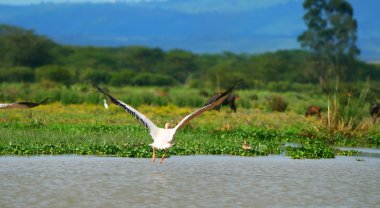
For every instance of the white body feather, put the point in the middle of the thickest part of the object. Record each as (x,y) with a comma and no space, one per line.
(162,138)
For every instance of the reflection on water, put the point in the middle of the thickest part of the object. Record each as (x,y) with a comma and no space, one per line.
(189,181)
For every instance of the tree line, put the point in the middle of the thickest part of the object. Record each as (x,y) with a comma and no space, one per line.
(28,57)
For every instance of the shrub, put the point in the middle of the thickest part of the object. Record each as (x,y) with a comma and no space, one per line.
(277,103)
(17,74)
(71,97)
(345,111)
(54,73)
(281,86)
(123,77)
(151,79)
(186,97)
(95,76)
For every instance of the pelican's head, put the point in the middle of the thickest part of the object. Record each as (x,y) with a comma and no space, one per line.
(167,126)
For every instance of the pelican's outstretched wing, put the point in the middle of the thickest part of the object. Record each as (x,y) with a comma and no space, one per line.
(22,105)
(210,106)
(139,116)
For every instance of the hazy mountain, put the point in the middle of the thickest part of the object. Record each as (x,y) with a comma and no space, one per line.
(199,26)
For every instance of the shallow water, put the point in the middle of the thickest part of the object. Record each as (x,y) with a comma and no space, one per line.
(363,152)
(188,181)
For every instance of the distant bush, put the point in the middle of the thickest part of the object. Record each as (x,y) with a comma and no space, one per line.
(151,79)
(123,77)
(245,97)
(277,103)
(244,103)
(187,97)
(95,76)
(70,96)
(281,86)
(17,74)
(253,97)
(301,87)
(54,73)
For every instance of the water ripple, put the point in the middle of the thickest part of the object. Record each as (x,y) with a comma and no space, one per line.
(188,181)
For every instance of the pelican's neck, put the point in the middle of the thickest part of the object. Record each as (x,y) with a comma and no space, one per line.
(167,126)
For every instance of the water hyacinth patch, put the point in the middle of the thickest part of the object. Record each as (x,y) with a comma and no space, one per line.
(310,150)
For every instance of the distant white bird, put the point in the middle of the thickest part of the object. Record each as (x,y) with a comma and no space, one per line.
(105,104)
(22,105)
(163,137)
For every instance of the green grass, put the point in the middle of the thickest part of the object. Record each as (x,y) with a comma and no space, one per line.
(180,96)
(89,129)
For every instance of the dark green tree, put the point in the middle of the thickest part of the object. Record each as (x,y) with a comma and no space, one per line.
(141,59)
(331,36)
(20,47)
(122,77)
(179,64)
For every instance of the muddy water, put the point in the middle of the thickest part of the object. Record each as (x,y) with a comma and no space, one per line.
(188,181)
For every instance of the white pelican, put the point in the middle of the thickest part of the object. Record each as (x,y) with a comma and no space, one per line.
(163,137)
(22,105)
(105,104)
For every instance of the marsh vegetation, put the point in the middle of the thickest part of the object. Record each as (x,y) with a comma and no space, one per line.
(85,127)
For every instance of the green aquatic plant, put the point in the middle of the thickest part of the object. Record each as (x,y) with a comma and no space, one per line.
(346,152)
(310,150)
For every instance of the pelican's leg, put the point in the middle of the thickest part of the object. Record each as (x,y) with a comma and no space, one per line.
(154,155)
(163,157)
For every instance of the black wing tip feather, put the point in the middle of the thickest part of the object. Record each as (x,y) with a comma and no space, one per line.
(32,104)
(105,93)
(115,101)
(100,89)
(229,90)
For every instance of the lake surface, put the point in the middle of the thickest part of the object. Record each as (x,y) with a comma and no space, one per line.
(188,181)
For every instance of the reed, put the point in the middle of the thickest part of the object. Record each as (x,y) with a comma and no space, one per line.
(345,110)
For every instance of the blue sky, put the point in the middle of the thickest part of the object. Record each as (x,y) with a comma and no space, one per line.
(19,2)
(205,4)
(260,2)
